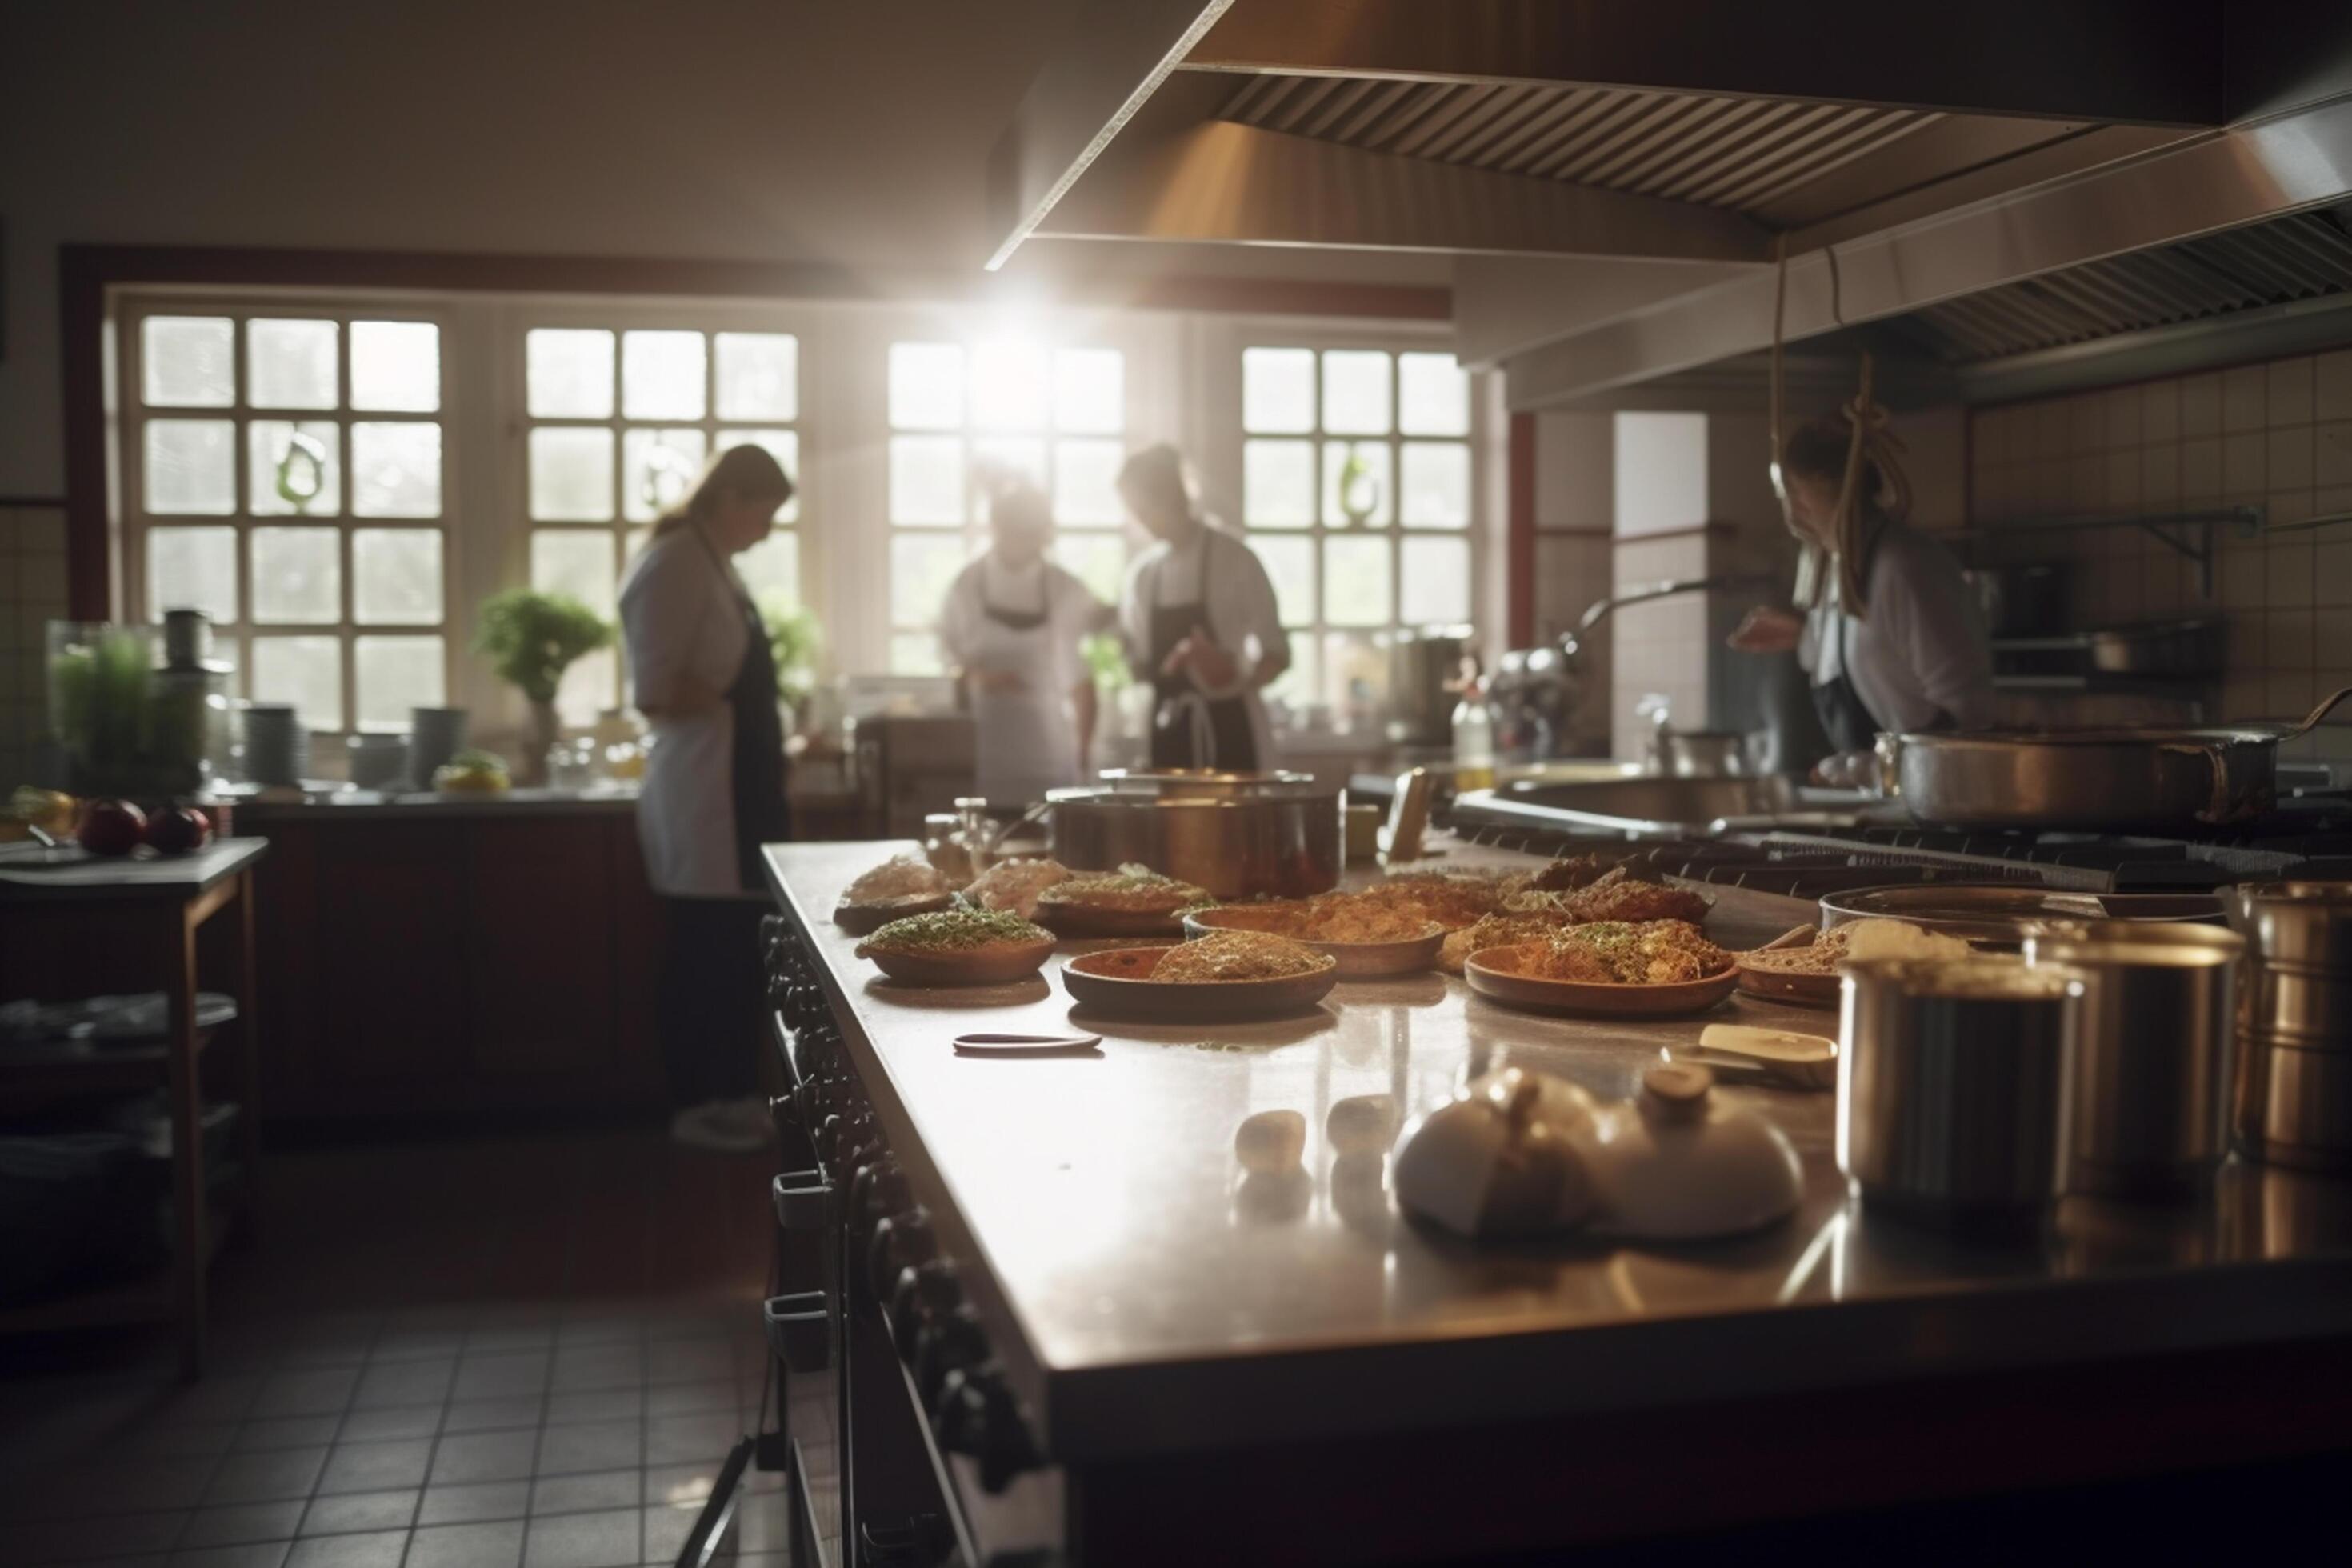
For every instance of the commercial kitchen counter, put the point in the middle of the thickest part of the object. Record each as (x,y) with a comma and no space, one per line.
(1147,1297)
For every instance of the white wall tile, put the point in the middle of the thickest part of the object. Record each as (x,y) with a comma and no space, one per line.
(2245,467)
(2200,404)
(2244,399)
(2289,463)
(2289,579)
(2159,411)
(2332,386)
(2200,468)
(2290,391)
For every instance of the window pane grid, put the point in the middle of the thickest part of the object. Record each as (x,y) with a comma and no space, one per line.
(1357,493)
(272,482)
(621,421)
(961,414)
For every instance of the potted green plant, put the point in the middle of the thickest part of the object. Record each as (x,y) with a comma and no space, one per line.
(794,640)
(531,639)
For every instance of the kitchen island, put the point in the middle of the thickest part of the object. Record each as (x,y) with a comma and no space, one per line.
(1194,1364)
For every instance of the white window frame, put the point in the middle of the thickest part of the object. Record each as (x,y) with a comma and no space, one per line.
(1218,353)
(135,521)
(619,315)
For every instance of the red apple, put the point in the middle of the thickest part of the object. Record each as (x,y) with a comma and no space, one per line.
(111,827)
(178,830)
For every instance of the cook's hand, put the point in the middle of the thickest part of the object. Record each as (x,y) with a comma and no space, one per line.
(1768,630)
(1210,664)
(998,680)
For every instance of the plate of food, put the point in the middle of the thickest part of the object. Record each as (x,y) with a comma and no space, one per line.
(1613,969)
(902,886)
(1803,966)
(1368,941)
(958,947)
(1133,900)
(1226,974)
(1015,885)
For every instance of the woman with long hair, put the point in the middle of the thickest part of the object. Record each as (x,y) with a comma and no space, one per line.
(714,786)
(1896,641)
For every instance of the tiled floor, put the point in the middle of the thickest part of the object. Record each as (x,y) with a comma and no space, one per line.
(521,1354)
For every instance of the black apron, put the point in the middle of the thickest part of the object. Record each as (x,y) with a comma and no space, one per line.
(1232,746)
(1846,718)
(763,814)
(1019,620)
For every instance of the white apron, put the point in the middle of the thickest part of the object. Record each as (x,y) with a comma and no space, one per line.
(1026,741)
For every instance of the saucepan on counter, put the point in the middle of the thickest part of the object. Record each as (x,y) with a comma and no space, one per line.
(2104,779)
(1235,835)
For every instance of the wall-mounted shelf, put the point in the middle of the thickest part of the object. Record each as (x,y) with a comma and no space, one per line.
(2174,528)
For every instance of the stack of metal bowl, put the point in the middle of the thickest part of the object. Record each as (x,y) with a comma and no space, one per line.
(2293,1093)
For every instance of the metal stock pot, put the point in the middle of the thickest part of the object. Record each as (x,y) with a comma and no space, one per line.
(2106,779)
(1236,835)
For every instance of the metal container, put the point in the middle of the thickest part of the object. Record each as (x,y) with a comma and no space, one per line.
(2294,1106)
(1236,835)
(2108,779)
(2174,651)
(2299,981)
(1700,753)
(2152,1057)
(1425,682)
(1953,1087)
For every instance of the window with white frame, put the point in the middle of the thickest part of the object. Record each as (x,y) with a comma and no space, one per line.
(621,421)
(283,474)
(1357,495)
(961,416)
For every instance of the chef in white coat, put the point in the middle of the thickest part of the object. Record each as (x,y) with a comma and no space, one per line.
(1201,626)
(1011,628)
(713,791)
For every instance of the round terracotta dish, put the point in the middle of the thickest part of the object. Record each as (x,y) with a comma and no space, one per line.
(1781,985)
(1492,974)
(1101,920)
(864,920)
(1357,960)
(995,964)
(1118,981)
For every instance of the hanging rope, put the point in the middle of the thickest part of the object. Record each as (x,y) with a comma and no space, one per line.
(1871,445)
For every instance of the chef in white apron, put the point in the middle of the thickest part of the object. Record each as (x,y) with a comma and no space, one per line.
(1011,628)
(1201,626)
(713,790)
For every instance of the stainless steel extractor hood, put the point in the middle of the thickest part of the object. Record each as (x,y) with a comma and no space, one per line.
(2005,179)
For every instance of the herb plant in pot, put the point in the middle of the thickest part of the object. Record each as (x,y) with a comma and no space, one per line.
(531,639)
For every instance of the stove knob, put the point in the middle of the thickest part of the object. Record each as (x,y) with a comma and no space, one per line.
(922,1294)
(951,1342)
(977,1417)
(876,1187)
(900,1242)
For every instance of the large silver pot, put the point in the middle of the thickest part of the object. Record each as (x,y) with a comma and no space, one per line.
(1236,835)
(2106,779)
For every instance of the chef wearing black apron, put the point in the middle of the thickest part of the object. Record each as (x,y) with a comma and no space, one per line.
(1201,626)
(714,788)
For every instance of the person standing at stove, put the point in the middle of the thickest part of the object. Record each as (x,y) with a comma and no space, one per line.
(1200,624)
(1010,627)
(713,791)
(1896,641)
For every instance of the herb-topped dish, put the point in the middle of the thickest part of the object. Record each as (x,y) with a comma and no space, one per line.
(1227,974)
(958,947)
(1133,900)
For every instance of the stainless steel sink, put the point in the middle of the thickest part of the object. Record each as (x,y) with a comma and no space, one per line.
(1649,807)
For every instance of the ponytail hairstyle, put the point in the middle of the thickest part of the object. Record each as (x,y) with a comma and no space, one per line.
(747,472)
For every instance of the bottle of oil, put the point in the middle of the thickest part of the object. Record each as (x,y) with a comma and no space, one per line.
(1473,739)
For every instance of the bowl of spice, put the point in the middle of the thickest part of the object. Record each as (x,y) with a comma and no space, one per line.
(1133,900)
(1226,974)
(958,947)
(1369,939)
(1616,968)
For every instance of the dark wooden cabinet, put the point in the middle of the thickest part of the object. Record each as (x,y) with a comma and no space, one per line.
(456,965)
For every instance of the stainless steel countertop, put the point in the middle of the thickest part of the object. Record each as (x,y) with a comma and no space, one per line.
(1145,1296)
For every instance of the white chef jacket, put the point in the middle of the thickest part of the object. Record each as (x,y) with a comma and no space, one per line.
(1240,606)
(1028,739)
(1920,653)
(681,618)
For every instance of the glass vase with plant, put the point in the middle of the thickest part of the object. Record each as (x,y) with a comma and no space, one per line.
(794,640)
(531,639)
